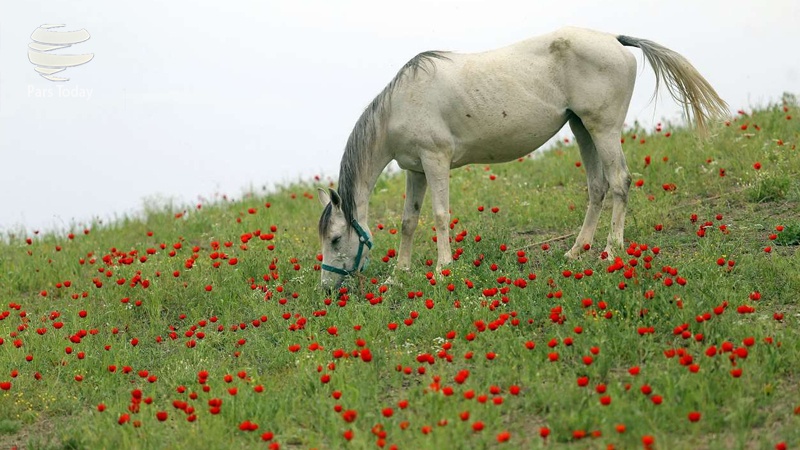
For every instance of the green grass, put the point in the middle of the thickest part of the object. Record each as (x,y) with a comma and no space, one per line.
(268,302)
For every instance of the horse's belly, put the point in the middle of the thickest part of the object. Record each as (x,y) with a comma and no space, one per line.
(502,144)
(488,144)
(496,152)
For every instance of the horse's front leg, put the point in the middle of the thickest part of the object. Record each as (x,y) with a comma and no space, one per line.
(416,184)
(437,171)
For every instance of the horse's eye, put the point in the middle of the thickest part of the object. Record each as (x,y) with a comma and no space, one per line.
(336,240)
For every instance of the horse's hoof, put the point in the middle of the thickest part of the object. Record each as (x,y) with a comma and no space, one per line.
(443,264)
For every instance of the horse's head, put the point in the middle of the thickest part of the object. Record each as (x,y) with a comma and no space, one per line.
(345,243)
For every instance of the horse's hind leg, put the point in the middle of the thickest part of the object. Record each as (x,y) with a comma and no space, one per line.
(615,170)
(598,186)
(415,193)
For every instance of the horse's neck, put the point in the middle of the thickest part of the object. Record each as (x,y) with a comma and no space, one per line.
(365,183)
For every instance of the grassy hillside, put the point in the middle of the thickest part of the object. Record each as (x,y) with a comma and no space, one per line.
(204,328)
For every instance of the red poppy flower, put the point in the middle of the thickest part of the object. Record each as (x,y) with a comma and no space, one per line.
(503,436)
(349,416)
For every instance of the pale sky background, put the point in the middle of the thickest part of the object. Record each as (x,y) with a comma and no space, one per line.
(211,97)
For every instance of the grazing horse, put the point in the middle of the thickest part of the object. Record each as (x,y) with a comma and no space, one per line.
(444,110)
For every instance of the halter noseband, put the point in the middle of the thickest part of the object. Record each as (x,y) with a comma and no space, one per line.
(363,239)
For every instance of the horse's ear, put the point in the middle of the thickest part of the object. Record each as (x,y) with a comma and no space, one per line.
(335,199)
(323,197)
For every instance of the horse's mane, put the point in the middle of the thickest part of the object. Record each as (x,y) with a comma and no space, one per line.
(361,142)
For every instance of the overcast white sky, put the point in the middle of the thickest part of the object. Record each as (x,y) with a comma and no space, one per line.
(195,98)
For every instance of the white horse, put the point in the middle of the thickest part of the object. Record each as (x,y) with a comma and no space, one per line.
(444,110)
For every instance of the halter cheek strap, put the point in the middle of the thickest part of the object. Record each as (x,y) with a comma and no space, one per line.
(363,240)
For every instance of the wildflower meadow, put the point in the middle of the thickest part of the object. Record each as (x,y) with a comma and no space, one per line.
(203,326)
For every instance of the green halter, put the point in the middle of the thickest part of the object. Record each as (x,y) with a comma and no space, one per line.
(363,239)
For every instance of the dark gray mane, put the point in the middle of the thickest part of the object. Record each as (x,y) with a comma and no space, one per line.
(361,142)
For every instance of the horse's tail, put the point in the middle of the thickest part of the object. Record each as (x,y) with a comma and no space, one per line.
(684,82)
